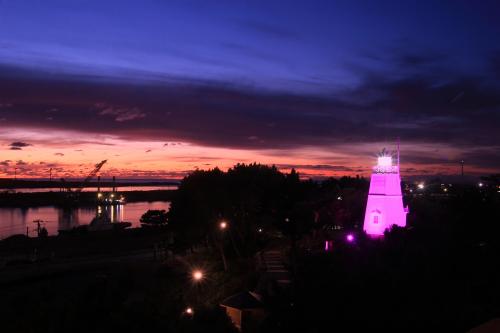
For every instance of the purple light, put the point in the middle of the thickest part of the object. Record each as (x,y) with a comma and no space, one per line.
(350,238)
(384,206)
(328,245)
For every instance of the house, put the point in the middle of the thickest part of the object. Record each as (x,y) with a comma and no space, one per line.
(245,310)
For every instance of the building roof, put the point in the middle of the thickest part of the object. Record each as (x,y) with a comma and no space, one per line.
(492,326)
(243,300)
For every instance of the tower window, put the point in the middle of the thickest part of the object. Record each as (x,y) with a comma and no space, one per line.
(375,219)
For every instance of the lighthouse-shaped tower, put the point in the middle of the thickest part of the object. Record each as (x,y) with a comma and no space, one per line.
(385,201)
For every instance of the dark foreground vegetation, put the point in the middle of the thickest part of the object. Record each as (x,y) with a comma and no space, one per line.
(441,274)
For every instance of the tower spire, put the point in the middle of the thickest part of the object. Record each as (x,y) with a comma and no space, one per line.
(398,153)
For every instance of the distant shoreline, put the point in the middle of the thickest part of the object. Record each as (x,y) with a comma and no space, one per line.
(41,199)
(26,183)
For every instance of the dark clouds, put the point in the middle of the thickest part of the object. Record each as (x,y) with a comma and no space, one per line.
(322,167)
(120,114)
(18,145)
(421,106)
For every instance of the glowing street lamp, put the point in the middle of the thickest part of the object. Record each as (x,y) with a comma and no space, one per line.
(350,238)
(223,225)
(189,311)
(197,275)
(421,186)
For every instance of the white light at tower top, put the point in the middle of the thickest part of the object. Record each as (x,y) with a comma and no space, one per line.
(384,161)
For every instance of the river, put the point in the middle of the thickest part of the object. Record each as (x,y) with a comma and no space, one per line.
(20,220)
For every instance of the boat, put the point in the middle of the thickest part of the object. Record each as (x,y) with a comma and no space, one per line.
(101,222)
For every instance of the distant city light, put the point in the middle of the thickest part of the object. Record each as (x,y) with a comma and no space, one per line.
(223,225)
(339,198)
(189,311)
(480,184)
(350,238)
(445,189)
(421,186)
(259,230)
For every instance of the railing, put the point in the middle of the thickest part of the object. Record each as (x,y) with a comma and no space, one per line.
(386,169)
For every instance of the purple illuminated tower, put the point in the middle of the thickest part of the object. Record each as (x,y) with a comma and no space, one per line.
(385,201)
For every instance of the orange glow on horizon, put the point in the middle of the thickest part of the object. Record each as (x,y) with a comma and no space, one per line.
(73,155)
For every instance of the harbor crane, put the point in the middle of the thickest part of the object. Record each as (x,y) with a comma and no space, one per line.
(87,179)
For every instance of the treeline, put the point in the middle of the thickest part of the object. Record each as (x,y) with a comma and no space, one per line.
(255,198)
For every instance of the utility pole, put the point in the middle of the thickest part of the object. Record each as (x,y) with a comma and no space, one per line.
(50,174)
(398,153)
(462,162)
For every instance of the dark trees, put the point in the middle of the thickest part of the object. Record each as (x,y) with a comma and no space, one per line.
(249,197)
(154,218)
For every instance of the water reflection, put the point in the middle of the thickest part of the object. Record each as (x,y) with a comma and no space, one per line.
(20,220)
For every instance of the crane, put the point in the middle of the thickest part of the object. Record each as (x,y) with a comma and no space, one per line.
(89,177)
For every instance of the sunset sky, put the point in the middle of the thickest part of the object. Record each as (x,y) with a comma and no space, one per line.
(160,88)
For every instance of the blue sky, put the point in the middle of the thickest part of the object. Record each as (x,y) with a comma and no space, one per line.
(289,45)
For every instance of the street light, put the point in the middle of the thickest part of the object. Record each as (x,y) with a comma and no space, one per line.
(350,238)
(189,311)
(223,225)
(197,275)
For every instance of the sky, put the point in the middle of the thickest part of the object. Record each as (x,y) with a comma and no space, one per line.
(160,88)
